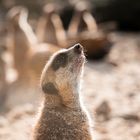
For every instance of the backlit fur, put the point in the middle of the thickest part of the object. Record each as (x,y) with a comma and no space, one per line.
(62,116)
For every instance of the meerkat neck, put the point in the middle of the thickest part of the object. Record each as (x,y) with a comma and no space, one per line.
(70,100)
(52,101)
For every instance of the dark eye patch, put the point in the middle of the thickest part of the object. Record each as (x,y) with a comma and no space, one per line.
(50,88)
(61,60)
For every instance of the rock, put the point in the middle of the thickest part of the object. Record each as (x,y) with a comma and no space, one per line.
(103,111)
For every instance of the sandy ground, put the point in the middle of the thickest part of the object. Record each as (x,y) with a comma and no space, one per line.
(111,91)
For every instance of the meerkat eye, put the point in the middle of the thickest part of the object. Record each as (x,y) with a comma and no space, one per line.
(50,88)
(61,60)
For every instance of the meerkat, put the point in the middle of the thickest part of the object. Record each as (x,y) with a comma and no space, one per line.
(29,55)
(18,44)
(84,29)
(82,20)
(63,116)
(50,27)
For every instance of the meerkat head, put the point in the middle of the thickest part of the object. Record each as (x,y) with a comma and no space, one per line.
(61,75)
(50,9)
(17,14)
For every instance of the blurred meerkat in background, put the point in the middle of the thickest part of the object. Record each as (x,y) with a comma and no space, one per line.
(84,29)
(29,55)
(20,44)
(82,20)
(50,27)
(29,58)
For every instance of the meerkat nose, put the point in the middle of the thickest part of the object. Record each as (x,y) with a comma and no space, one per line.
(78,48)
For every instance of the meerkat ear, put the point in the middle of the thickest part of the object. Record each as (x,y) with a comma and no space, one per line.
(50,88)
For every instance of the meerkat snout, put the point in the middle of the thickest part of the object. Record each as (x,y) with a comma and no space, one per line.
(78,48)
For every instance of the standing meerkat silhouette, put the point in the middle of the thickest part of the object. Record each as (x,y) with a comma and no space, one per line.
(63,117)
(29,55)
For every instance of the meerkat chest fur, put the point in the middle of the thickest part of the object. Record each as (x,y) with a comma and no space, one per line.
(62,116)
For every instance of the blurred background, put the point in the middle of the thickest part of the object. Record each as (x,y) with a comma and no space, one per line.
(32,30)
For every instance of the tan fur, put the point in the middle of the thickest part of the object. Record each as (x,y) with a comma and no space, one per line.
(50,27)
(29,55)
(62,116)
